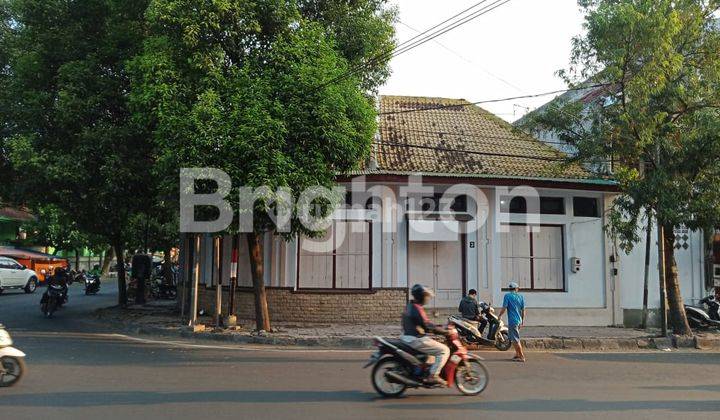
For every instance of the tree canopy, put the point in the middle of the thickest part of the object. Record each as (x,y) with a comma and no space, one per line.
(68,129)
(658,118)
(274,93)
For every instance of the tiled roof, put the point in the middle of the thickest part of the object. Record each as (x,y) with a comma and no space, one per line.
(453,137)
(15,214)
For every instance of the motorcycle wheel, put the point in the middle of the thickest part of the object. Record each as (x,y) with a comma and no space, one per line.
(502,341)
(381,383)
(12,370)
(471,377)
(49,308)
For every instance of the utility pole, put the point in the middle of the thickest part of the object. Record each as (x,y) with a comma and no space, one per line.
(648,239)
(663,291)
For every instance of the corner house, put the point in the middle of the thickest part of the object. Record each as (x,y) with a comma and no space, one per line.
(455,198)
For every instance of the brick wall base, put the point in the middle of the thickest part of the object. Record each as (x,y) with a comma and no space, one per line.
(379,306)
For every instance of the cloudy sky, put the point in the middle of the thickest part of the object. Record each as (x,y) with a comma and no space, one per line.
(513,50)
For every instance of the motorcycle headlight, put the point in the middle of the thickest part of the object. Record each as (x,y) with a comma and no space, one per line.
(5,339)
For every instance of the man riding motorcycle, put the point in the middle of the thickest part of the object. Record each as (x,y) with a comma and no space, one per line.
(416,325)
(60,278)
(471,310)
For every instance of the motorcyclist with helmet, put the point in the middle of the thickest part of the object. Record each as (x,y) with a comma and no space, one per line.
(416,326)
(60,278)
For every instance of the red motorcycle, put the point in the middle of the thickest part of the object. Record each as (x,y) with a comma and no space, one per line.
(399,367)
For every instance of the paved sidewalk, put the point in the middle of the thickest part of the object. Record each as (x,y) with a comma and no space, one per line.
(161,318)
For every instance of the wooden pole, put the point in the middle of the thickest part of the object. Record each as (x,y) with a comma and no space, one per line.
(648,238)
(233,274)
(218,282)
(663,290)
(195,282)
(185,256)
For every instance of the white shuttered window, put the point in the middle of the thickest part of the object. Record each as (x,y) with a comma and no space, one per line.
(534,260)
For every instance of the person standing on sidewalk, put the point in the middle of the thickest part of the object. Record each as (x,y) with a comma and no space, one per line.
(514,304)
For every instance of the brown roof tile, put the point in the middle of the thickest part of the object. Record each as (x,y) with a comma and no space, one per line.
(454,137)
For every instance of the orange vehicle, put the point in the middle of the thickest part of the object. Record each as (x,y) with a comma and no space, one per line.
(41,263)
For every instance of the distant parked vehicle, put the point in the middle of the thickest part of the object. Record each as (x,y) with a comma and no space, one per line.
(14,275)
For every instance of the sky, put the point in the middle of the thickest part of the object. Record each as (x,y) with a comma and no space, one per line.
(513,50)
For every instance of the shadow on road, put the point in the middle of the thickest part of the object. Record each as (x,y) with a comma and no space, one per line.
(705,388)
(659,357)
(110,398)
(569,406)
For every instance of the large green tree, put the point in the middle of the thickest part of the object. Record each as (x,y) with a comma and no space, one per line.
(262,89)
(659,119)
(67,123)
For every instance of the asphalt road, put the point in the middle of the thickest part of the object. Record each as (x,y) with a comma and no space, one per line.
(79,369)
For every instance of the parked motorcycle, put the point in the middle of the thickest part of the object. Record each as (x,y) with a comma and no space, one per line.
(497,335)
(92,284)
(698,317)
(53,298)
(397,367)
(12,360)
(160,288)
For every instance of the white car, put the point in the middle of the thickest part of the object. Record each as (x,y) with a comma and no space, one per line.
(14,275)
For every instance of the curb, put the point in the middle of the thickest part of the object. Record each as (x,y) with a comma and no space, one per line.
(361,343)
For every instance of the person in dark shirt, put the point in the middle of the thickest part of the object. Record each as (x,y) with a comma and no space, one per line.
(60,278)
(470,310)
(416,326)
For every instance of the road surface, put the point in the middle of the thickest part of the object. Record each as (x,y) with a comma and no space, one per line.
(80,369)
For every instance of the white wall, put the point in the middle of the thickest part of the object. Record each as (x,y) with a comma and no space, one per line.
(584,239)
(690,263)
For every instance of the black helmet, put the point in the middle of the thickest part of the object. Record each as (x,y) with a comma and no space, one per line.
(420,293)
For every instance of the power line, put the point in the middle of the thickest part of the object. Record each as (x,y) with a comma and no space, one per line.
(453,26)
(472,152)
(489,101)
(483,136)
(419,39)
(470,62)
(476,152)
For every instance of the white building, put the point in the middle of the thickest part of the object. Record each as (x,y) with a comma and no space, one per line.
(455,198)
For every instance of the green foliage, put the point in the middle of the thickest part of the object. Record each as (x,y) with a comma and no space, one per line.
(56,229)
(658,117)
(243,86)
(68,124)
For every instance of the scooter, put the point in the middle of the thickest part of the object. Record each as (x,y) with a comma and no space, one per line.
(497,330)
(697,316)
(12,360)
(397,367)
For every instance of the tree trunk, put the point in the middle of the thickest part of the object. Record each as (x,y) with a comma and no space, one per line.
(77,260)
(676,309)
(168,266)
(107,260)
(255,248)
(122,289)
